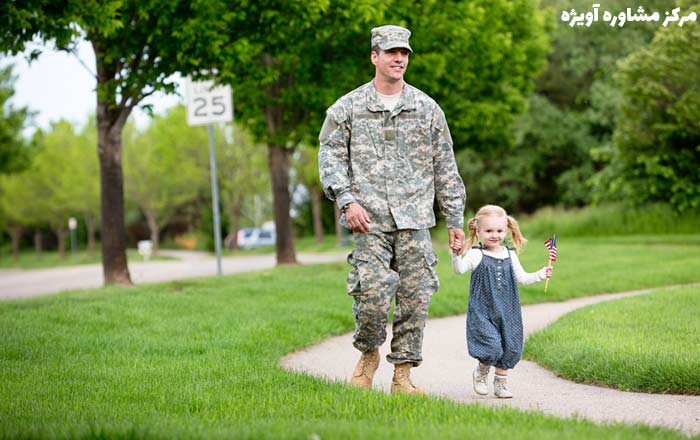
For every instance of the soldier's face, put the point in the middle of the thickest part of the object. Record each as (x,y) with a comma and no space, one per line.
(391,64)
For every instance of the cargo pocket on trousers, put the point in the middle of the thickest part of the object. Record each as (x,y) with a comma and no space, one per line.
(355,259)
(432,278)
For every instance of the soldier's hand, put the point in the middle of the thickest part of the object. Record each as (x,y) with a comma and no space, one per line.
(457,240)
(357,218)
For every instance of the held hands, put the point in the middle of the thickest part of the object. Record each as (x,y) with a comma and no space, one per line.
(457,240)
(357,218)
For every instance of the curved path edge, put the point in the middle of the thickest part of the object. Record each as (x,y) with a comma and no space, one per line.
(446,372)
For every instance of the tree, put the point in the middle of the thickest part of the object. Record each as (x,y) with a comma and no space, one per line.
(656,153)
(138,45)
(87,180)
(162,168)
(565,134)
(296,58)
(306,167)
(478,60)
(583,56)
(243,177)
(61,177)
(16,196)
(14,151)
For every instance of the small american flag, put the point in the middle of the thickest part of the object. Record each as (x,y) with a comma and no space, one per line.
(551,244)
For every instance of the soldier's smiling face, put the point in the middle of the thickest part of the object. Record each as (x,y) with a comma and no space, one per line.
(391,64)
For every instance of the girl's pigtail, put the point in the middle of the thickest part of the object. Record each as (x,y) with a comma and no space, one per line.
(515,233)
(471,230)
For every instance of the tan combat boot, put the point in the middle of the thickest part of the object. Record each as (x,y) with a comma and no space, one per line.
(401,383)
(365,369)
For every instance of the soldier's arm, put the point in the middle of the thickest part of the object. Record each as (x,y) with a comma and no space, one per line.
(334,159)
(449,188)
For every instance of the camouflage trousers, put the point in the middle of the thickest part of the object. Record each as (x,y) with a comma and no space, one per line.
(398,266)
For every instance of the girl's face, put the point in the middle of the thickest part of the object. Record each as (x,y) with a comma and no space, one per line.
(492,231)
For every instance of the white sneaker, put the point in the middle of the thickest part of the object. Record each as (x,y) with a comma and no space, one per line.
(500,387)
(481,380)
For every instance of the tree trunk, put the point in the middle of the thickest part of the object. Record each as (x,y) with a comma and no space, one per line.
(110,122)
(15,234)
(278,161)
(90,224)
(235,218)
(60,232)
(338,226)
(38,242)
(316,213)
(154,229)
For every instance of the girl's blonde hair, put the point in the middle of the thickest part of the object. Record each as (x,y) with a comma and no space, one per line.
(495,211)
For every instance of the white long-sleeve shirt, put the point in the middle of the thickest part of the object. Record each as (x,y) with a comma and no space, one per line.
(471,259)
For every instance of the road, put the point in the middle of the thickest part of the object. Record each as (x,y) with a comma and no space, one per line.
(27,283)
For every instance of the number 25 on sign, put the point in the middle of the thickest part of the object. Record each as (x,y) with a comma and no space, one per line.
(207,104)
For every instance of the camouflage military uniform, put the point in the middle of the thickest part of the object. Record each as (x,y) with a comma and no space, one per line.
(393,164)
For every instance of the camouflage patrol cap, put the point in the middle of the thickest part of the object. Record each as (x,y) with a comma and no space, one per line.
(390,36)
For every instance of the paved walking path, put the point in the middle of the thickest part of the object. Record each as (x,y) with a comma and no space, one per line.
(26,283)
(446,372)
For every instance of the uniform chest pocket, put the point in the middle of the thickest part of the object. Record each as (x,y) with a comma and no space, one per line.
(414,137)
(366,142)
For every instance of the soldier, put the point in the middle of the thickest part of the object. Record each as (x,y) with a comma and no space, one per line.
(386,152)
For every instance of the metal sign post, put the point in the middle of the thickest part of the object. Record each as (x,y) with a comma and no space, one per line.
(207,105)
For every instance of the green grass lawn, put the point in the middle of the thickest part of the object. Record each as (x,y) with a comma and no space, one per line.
(586,267)
(30,260)
(199,358)
(646,343)
(612,220)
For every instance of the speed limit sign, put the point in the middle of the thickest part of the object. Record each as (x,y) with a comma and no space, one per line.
(207,104)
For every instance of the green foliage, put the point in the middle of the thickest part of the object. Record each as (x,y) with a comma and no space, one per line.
(65,175)
(82,172)
(548,163)
(478,60)
(646,343)
(61,180)
(563,141)
(657,137)
(611,220)
(138,46)
(305,166)
(584,56)
(15,200)
(165,167)
(292,59)
(244,177)
(14,150)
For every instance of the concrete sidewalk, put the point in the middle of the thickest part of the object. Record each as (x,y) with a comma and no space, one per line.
(27,283)
(446,372)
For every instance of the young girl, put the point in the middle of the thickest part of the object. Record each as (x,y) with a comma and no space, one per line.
(494,321)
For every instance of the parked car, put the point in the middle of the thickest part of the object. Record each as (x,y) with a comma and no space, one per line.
(249,238)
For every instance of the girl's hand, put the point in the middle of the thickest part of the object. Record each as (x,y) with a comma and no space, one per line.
(549,271)
(457,240)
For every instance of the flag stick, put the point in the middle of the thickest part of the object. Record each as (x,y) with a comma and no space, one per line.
(546,283)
